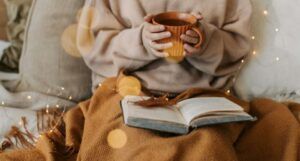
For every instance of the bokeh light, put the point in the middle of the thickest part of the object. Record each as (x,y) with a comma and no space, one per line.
(85,35)
(68,41)
(117,138)
(129,85)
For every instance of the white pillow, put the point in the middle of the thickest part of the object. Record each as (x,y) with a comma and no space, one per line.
(45,67)
(3,45)
(5,76)
(274,71)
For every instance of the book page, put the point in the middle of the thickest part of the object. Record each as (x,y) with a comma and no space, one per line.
(195,107)
(221,118)
(169,114)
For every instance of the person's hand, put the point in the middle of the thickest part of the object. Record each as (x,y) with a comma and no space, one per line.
(152,33)
(191,38)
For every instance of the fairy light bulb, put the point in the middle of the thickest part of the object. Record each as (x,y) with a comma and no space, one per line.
(29,97)
(228,91)
(277,58)
(253,37)
(2,103)
(57,106)
(242,61)
(265,12)
(277,30)
(70,97)
(62,88)
(254,52)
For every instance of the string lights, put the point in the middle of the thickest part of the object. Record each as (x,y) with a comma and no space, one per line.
(111,137)
(254,52)
(265,12)
(50,113)
(228,92)
(29,97)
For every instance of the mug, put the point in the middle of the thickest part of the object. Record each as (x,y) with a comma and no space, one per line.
(177,23)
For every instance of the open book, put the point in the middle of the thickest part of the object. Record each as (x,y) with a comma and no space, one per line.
(187,114)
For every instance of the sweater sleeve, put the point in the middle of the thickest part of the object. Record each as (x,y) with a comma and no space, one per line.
(226,45)
(108,42)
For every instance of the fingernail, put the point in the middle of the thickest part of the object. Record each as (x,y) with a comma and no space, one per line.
(161,27)
(168,34)
(166,54)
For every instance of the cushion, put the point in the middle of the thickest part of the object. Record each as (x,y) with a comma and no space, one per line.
(273,67)
(3,21)
(3,45)
(44,66)
(17,11)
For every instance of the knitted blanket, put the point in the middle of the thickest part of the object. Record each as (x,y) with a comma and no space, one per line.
(94,130)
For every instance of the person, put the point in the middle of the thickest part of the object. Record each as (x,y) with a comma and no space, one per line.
(118,34)
(124,37)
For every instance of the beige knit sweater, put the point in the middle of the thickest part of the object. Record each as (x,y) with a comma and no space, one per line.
(117,26)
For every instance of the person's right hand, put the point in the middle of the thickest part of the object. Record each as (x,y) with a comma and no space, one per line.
(152,33)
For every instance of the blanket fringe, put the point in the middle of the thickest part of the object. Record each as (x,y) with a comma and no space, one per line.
(21,137)
(57,138)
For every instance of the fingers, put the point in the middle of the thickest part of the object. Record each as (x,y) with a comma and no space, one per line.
(157,36)
(160,46)
(154,33)
(189,39)
(189,49)
(198,15)
(154,28)
(157,32)
(148,18)
(192,33)
(151,27)
(159,54)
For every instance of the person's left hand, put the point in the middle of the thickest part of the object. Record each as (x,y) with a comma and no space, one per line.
(191,38)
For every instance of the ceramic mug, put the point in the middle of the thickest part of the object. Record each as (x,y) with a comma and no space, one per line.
(177,23)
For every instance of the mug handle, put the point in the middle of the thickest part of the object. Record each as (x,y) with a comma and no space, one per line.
(201,36)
